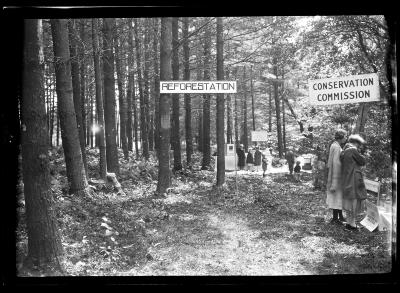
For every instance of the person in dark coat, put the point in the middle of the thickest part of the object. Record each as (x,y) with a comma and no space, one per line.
(264,164)
(354,192)
(250,161)
(257,159)
(241,157)
(297,170)
(290,160)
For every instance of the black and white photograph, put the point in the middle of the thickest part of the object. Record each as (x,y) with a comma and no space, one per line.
(210,145)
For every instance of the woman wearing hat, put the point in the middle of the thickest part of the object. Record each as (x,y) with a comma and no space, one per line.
(354,191)
(334,196)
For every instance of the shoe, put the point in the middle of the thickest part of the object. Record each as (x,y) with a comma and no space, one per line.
(342,221)
(351,228)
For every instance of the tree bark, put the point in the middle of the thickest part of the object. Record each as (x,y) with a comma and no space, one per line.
(176,141)
(99,99)
(44,241)
(220,107)
(143,122)
(188,103)
(283,118)
(252,99)
(165,74)
(278,113)
(236,117)
(131,96)
(81,52)
(270,109)
(122,98)
(206,101)
(199,76)
(156,86)
(69,133)
(228,114)
(109,96)
(146,97)
(76,87)
(245,129)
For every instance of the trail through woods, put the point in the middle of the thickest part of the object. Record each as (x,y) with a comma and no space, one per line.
(270,226)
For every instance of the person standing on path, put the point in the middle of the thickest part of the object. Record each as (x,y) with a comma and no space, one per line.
(290,160)
(354,191)
(334,194)
(264,164)
(250,161)
(257,159)
(241,157)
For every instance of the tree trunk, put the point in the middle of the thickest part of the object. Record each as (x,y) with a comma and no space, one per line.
(252,98)
(283,117)
(44,242)
(236,117)
(99,99)
(146,96)
(245,130)
(362,118)
(109,96)
(176,141)
(206,101)
(81,49)
(69,133)
(228,114)
(131,96)
(220,107)
(188,103)
(199,76)
(122,99)
(270,109)
(143,123)
(165,75)
(76,88)
(156,86)
(278,113)
(52,114)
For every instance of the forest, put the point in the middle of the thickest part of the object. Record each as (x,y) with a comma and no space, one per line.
(116,178)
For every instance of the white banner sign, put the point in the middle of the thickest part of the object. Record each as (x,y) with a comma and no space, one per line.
(198,87)
(259,135)
(344,90)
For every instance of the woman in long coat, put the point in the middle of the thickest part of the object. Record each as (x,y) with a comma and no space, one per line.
(241,157)
(334,196)
(354,191)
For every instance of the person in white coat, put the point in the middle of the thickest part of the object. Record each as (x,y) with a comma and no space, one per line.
(334,191)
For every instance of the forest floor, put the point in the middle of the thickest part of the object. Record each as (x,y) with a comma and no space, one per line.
(258,226)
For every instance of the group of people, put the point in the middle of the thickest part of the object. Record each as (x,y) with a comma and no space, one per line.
(254,160)
(345,183)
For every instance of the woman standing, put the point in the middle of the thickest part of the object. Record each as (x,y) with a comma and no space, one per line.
(334,195)
(241,157)
(354,191)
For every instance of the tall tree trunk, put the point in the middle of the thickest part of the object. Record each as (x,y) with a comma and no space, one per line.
(362,118)
(121,92)
(44,242)
(220,107)
(188,103)
(236,109)
(132,96)
(90,126)
(165,75)
(228,114)
(58,129)
(156,85)
(146,96)
(143,122)
(176,141)
(199,76)
(69,133)
(109,96)
(99,99)
(245,129)
(283,123)
(278,113)
(52,114)
(270,108)
(82,69)
(252,98)
(206,100)
(76,87)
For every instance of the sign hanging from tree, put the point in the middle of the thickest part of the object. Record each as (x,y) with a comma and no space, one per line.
(344,90)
